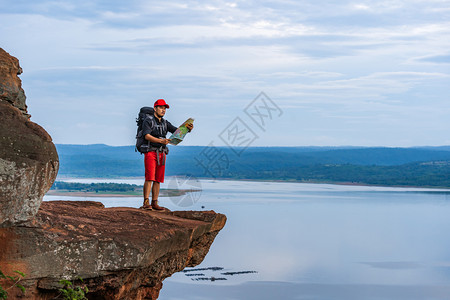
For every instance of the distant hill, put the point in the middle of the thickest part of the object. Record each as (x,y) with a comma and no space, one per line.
(418,166)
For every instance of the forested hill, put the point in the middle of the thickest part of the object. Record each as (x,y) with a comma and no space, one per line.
(420,166)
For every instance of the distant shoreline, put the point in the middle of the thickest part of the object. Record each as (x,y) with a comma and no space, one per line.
(87,194)
(339,183)
(422,167)
(163,193)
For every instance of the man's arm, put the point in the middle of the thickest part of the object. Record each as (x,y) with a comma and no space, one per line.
(170,127)
(153,139)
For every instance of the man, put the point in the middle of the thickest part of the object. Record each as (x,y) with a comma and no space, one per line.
(155,130)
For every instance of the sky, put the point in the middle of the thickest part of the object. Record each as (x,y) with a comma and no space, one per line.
(251,73)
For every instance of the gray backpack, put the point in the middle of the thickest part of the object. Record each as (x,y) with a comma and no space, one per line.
(142,145)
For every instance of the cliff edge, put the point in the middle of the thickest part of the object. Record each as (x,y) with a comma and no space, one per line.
(28,158)
(120,253)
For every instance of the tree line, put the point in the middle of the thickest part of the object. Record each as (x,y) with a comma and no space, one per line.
(95,187)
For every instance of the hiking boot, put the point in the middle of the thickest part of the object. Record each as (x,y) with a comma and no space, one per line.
(155,206)
(146,205)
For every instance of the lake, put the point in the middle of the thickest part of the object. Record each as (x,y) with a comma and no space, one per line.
(312,241)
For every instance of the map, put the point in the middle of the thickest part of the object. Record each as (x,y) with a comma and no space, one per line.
(181,132)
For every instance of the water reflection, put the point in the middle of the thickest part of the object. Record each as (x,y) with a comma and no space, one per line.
(190,272)
(309,241)
(347,240)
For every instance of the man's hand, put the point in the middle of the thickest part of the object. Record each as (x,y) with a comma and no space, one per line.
(190,126)
(164,141)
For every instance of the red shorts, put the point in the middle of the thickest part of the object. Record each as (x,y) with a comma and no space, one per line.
(153,172)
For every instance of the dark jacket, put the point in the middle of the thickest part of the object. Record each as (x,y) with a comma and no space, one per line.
(156,128)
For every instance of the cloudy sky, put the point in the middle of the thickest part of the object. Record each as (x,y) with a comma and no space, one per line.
(365,73)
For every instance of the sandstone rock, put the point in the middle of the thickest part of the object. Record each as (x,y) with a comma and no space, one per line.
(121,253)
(10,84)
(28,158)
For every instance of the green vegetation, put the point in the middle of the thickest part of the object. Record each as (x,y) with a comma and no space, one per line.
(101,188)
(70,292)
(421,167)
(11,282)
(423,175)
(110,189)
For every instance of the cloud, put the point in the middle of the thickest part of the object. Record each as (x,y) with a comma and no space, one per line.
(438,59)
(331,64)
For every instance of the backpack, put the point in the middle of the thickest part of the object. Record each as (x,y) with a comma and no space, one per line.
(142,145)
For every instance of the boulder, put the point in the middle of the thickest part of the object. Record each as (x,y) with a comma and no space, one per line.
(10,84)
(120,253)
(28,158)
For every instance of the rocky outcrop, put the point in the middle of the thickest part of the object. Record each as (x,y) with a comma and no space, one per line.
(28,158)
(10,84)
(121,253)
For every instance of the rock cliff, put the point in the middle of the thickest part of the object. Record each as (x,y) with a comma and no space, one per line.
(121,253)
(28,158)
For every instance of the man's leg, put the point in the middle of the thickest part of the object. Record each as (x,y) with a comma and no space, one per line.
(155,195)
(147,188)
(155,190)
(159,177)
(150,169)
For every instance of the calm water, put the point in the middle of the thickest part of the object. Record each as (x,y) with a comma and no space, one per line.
(314,241)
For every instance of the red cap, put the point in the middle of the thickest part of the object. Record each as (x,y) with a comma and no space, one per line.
(161,102)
